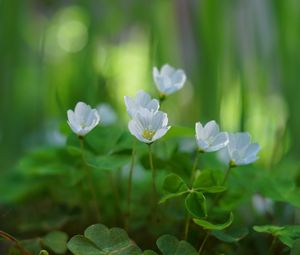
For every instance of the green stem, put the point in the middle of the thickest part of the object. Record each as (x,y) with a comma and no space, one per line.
(203,243)
(193,173)
(10,238)
(187,226)
(116,194)
(219,196)
(90,181)
(162,98)
(152,169)
(130,184)
(188,218)
(272,246)
(226,175)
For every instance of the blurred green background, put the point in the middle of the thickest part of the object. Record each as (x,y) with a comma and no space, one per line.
(241,57)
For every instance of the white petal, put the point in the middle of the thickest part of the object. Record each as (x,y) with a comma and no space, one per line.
(159,133)
(82,132)
(71,117)
(75,128)
(220,141)
(202,144)
(92,119)
(155,72)
(199,130)
(159,120)
(81,109)
(235,156)
(144,117)
(167,70)
(160,84)
(179,79)
(153,105)
(252,149)
(246,161)
(131,106)
(142,98)
(211,129)
(133,129)
(224,156)
(243,139)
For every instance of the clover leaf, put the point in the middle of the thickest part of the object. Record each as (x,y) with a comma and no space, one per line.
(286,234)
(213,226)
(169,245)
(99,240)
(173,186)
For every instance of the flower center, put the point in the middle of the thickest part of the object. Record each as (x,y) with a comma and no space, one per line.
(148,134)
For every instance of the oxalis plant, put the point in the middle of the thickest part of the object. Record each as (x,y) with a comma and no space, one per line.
(180,206)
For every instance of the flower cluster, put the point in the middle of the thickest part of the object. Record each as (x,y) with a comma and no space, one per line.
(148,123)
(237,148)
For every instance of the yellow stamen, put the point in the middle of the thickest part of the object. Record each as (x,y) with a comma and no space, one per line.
(148,134)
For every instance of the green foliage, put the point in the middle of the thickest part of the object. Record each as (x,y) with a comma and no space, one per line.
(213,226)
(173,186)
(232,235)
(286,234)
(179,132)
(195,203)
(209,181)
(169,245)
(99,240)
(296,247)
(56,241)
(44,183)
(109,162)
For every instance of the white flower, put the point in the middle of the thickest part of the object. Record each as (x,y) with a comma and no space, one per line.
(168,80)
(148,126)
(262,205)
(239,150)
(83,119)
(107,113)
(209,138)
(142,100)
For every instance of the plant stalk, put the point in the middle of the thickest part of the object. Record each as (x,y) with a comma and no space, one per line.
(226,174)
(187,226)
(152,168)
(130,184)
(90,181)
(10,238)
(272,246)
(203,243)
(188,218)
(193,173)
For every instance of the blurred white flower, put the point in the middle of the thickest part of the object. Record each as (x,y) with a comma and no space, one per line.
(83,119)
(239,150)
(209,138)
(262,205)
(52,134)
(142,100)
(187,144)
(148,126)
(168,80)
(107,113)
